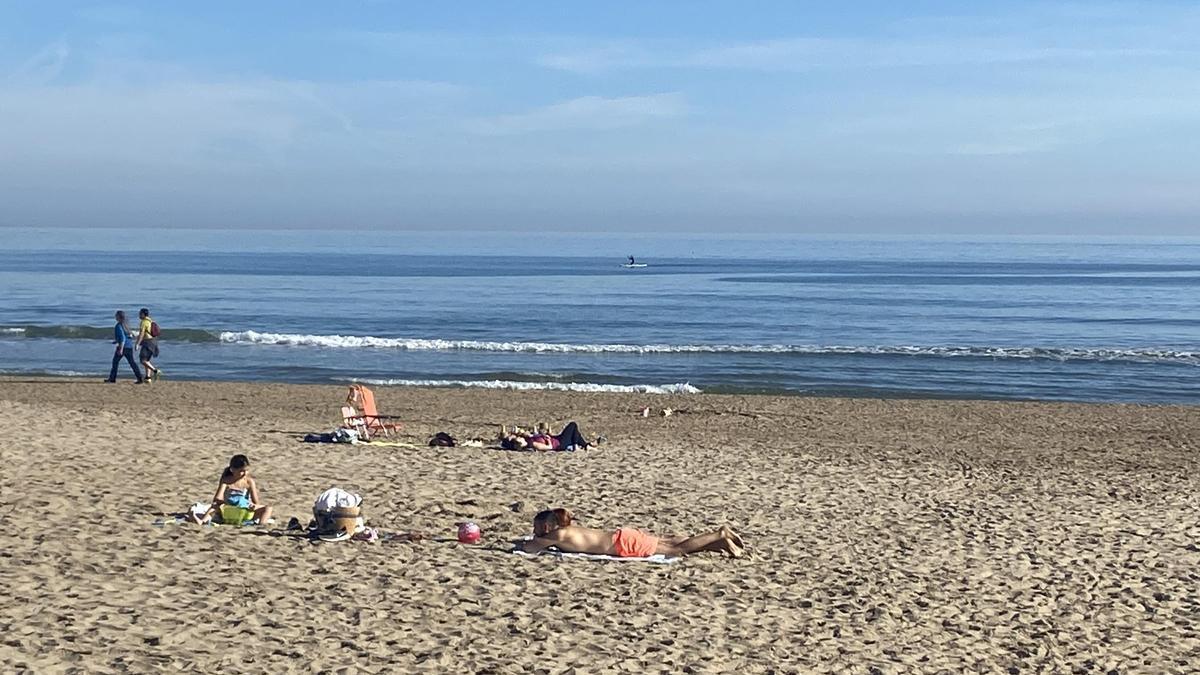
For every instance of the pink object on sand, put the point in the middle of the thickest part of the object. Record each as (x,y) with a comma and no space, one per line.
(468,533)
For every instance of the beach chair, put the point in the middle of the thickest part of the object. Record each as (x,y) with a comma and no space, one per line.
(352,420)
(362,400)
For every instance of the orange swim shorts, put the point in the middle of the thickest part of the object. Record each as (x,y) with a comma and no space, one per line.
(631,543)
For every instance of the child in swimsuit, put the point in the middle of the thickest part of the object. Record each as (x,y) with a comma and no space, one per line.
(236,501)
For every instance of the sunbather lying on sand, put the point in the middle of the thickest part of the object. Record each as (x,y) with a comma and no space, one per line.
(236,501)
(567,439)
(554,528)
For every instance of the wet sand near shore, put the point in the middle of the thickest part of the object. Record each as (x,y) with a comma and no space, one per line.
(884,535)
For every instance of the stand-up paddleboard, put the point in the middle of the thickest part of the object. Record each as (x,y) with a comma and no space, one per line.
(634,266)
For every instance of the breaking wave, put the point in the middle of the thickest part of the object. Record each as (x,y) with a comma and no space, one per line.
(678,388)
(103,333)
(36,372)
(250,337)
(417,344)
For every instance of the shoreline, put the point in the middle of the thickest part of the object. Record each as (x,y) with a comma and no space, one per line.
(654,391)
(900,534)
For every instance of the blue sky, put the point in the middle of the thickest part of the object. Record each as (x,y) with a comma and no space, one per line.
(894,117)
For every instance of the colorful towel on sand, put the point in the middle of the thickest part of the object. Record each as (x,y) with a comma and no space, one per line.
(182,519)
(199,509)
(658,559)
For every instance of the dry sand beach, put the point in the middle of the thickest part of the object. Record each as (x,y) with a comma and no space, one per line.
(886,536)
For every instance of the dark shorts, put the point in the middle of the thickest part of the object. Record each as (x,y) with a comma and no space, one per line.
(148,351)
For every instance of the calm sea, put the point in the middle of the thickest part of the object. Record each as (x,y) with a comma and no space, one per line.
(1035,318)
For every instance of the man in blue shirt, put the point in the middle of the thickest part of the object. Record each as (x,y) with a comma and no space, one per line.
(124,343)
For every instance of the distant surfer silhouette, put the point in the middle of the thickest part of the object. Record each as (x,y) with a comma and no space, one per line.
(632,261)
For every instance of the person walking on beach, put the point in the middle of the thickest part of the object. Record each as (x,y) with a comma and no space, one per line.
(124,350)
(147,344)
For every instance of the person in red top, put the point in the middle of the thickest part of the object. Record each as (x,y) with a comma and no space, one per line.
(555,528)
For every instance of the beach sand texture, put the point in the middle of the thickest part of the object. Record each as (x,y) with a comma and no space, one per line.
(886,536)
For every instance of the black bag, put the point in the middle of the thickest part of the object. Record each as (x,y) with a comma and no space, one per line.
(442,440)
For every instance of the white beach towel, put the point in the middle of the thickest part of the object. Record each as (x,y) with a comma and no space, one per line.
(658,559)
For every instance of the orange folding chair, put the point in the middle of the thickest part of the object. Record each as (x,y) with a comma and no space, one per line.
(352,420)
(361,400)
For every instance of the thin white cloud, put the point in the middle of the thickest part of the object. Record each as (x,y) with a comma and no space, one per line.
(611,56)
(587,112)
(803,54)
(116,15)
(1041,33)
(143,115)
(809,53)
(999,149)
(43,66)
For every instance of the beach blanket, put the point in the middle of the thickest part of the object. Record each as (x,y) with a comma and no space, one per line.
(182,519)
(401,444)
(657,559)
(199,508)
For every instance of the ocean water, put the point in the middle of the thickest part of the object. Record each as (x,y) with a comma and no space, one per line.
(1101,319)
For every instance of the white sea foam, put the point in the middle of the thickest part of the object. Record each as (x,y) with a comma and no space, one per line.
(678,388)
(36,372)
(417,344)
(13,331)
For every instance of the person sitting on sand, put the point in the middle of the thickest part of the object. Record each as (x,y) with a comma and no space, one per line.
(555,528)
(236,501)
(568,439)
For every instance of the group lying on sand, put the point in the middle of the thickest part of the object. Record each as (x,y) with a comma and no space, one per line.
(237,502)
(567,439)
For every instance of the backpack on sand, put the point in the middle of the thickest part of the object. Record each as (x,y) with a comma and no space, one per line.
(443,439)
